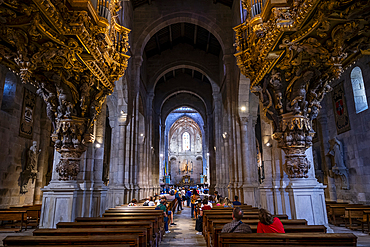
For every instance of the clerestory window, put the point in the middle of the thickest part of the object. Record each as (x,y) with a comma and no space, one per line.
(358,88)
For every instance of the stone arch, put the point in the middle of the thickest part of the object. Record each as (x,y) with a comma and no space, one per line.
(183,91)
(186,65)
(173,18)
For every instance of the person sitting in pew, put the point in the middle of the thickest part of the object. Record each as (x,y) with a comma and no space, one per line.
(169,212)
(151,201)
(236,202)
(163,207)
(133,203)
(146,203)
(227,203)
(199,222)
(268,223)
(237,225)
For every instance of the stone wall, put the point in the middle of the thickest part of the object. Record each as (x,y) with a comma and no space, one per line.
(13,153)
(356,142)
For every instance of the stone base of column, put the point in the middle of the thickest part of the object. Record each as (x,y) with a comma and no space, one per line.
(274,198)
(59,203)
(99,201)
(307,201)
(251,195)
(116,196)
(231,191)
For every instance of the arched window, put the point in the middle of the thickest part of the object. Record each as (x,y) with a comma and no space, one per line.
(185,141)
(359,92)
(9,91)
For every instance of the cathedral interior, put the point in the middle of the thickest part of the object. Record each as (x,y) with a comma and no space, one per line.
(103,101)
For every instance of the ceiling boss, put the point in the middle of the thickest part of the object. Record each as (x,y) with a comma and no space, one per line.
(72,51)
(291,50)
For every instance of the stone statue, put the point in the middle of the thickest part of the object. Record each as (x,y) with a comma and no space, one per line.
(30,170)
(338,167)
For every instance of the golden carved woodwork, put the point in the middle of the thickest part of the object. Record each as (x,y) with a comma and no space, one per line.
(72,51)
(291,50)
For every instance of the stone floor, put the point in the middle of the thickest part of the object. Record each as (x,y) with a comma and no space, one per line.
(183,234)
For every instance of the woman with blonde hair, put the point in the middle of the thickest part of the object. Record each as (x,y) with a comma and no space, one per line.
(227,203)
(268,223)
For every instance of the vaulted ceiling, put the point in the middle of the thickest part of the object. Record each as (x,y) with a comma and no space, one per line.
(174,34)
(137,3)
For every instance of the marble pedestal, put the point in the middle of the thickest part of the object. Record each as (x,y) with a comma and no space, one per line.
(307,201)
(58,203)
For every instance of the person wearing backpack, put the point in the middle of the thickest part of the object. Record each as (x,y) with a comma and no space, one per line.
(237,225)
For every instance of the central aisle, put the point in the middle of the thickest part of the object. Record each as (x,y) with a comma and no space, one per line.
(183,234)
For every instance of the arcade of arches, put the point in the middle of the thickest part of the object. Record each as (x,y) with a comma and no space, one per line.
(182,108)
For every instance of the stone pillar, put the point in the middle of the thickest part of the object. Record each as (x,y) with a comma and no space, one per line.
(249,161)
(117,189)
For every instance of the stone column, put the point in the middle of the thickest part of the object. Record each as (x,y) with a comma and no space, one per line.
(249,161)
(117,189)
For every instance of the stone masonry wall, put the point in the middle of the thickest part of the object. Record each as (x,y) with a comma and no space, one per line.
(356,142)
(14,148)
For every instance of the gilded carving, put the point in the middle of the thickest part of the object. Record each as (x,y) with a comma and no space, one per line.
(292,56)
(73,57)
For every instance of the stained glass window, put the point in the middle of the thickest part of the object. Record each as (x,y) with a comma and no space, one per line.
(186,141)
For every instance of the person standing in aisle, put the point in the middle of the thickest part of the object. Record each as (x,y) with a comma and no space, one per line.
(194,198)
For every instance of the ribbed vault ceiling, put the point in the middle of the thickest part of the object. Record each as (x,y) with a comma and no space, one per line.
(174,34)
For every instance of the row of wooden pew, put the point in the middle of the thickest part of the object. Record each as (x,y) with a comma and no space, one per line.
(298,233)
(120,226)
(18,218)
(352,216)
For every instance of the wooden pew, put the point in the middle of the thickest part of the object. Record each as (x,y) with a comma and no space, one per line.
(213,236)
(353,214)
(365,220)
(219,223)
(141,232)
(207,218)
(138,213)
(127,224)
(131,240)
(33,214)
(20,216)
(291,239)
(154,219)
(337,211)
